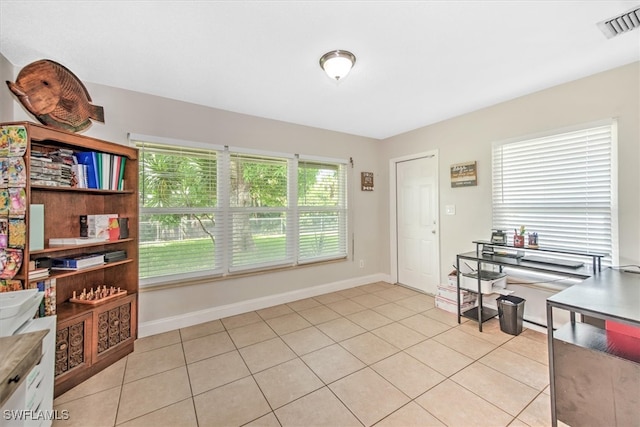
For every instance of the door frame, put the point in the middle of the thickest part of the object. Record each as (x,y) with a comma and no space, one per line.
(393,210)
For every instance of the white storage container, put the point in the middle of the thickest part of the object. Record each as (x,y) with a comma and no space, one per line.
(489,280)
(451,306)
(449,292)
(453,278)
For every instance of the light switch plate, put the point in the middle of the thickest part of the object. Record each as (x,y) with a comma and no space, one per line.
(450,209)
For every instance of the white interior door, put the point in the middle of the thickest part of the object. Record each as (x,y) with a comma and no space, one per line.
(418,247)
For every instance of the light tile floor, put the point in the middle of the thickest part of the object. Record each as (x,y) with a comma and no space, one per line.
(378,354)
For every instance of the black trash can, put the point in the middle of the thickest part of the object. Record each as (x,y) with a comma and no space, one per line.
(510,311)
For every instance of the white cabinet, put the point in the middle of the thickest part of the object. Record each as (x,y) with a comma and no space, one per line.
(31,405)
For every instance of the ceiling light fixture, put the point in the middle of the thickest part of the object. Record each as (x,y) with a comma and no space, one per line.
(337,63)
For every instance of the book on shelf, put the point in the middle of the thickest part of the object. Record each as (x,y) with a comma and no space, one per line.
(42,262)
(36,227)
(79,176)
(115,169)
(48,303)
(73,241)
(100,226)
(115,255)
(77,262)
(104,171)
(38,273)
(105,182)
(88,158)
(123,161)
(114,228)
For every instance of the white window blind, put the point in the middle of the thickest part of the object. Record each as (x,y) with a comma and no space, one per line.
(259,209)
(218,211)
(322,210)
(178,210)
(561,187)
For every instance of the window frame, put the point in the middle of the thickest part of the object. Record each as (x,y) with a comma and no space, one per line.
(224,211)
(613,253)
(342,207)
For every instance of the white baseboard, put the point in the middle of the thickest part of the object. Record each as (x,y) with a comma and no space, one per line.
(171,323)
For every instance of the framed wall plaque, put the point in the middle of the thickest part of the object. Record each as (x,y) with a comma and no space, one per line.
(366,181)
(464,175)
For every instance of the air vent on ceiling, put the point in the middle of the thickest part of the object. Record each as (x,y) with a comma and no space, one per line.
(621,24)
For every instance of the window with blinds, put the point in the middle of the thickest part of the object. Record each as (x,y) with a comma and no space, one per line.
(560,186)
(322,211)
(259,208)
(179,227)
(217,211)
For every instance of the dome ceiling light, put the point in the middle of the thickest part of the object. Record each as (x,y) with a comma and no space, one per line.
(337,63)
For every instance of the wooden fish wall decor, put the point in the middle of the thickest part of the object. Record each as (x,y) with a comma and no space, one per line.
(55,96)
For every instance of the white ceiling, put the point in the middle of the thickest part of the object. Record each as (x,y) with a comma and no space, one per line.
(418,62)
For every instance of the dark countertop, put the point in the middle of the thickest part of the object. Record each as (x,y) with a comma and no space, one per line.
(612,294)
(18,355)
(540,249)
(522,263)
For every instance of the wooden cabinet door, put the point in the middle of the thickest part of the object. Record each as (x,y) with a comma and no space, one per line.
(73,345)
(114,325)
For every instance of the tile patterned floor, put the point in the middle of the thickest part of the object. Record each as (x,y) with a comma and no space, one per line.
(378,354)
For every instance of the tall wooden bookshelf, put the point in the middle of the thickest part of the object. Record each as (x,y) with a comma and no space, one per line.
(89,337)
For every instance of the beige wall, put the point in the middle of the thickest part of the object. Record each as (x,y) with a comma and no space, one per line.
(615,93)
(127,111)
(132,112)
(6,98)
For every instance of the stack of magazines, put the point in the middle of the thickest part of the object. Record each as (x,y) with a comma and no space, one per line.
(49,172)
